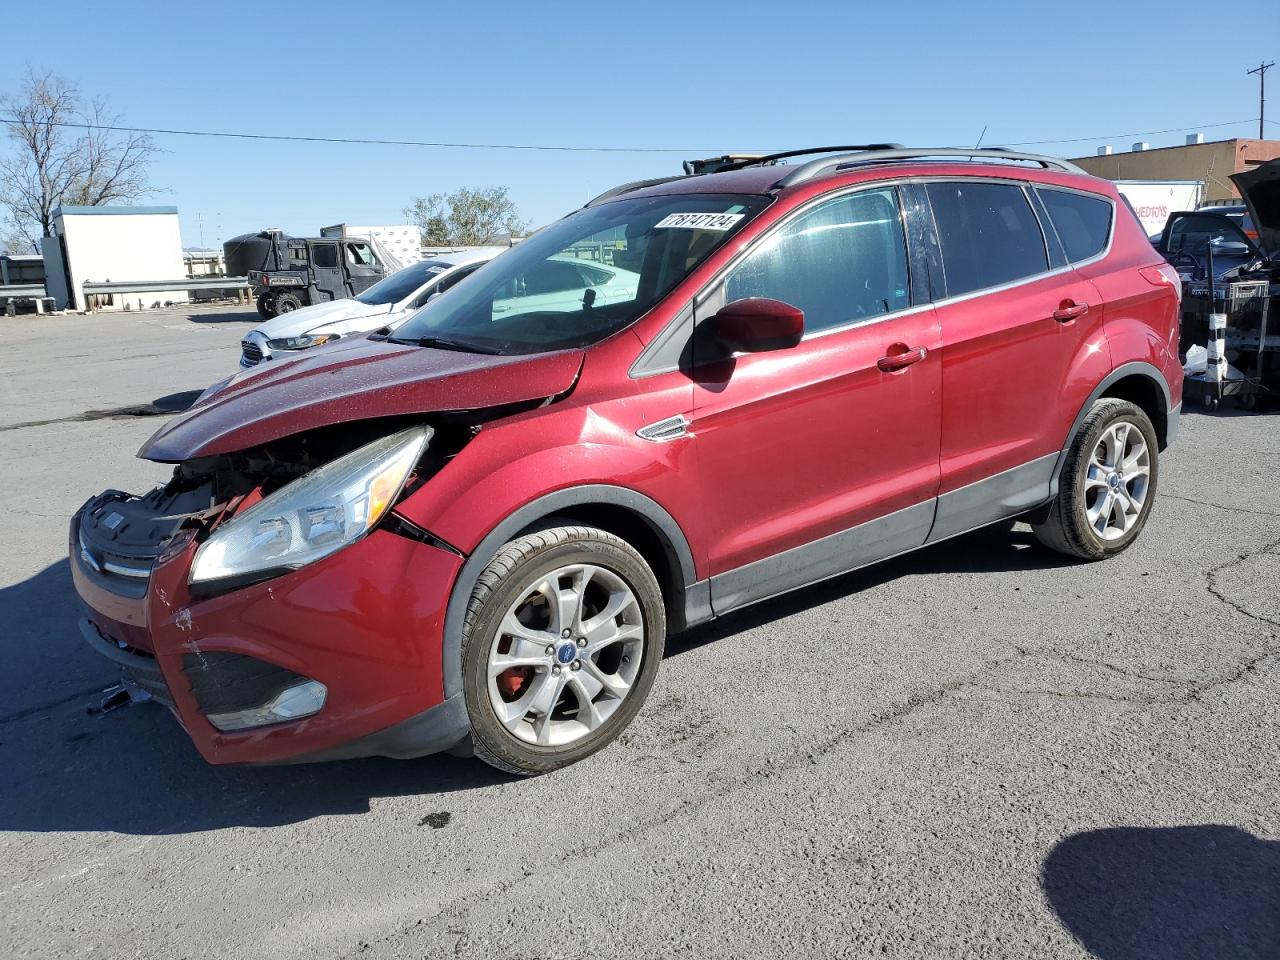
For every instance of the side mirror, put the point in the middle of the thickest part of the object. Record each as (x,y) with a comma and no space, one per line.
(1231,248)
(758,324)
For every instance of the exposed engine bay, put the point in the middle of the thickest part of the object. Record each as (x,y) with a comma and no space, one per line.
(121,535)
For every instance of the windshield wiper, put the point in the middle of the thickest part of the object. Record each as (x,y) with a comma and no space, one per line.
(444,343)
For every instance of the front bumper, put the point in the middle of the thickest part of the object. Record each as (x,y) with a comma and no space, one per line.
(366,622)
(254,349)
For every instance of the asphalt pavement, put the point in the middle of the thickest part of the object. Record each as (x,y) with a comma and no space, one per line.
(979,750)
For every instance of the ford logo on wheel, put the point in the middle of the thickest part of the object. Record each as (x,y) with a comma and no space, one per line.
(567,652)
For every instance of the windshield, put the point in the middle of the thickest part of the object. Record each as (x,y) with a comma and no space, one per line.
(582,278)
(402,283)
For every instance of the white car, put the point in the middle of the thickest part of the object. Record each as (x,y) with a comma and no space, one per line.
(558,285)
(387,303)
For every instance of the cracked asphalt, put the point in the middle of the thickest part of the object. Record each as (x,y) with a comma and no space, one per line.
(980,750)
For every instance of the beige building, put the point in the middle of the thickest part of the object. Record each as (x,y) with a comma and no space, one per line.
(1211,162)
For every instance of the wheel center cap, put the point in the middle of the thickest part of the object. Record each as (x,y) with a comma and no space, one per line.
(1115,482)
(567,652)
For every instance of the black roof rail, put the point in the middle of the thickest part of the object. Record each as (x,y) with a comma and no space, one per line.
(628,187)
(741,161)
(728,161)
(887,154)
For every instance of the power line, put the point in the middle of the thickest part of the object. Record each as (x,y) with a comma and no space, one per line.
(1136,133)
(366,141)
(554,148)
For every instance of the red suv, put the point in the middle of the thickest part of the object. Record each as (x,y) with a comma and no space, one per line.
(688,396)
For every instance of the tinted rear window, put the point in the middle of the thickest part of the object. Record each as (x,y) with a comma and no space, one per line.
(989,235)
(1083,223)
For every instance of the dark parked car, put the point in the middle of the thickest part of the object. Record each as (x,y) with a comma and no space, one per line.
(1192,238)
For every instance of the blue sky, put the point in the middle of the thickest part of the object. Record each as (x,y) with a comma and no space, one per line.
(699,76)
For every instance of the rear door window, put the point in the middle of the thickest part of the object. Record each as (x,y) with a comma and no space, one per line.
(1083,223)
(989,234)
(843,261)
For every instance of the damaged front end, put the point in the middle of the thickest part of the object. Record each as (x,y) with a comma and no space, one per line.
(255,591)
(269,593)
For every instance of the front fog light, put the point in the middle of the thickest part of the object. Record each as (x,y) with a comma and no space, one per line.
(292,703)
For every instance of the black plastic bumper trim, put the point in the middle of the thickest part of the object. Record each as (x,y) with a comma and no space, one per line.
(144,670)
(433,731)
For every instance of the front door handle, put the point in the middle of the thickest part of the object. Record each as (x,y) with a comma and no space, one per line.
(1068,310)
(901,356)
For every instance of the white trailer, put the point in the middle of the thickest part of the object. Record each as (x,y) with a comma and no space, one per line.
(402,241)
(1154,200)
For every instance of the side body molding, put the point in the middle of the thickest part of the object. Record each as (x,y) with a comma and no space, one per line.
(697,596)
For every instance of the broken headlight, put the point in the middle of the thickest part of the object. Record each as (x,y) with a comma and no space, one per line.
(316,515)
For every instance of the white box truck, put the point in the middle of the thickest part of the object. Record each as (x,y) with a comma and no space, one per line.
(1154,200)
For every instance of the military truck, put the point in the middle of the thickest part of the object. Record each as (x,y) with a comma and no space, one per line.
(290,272)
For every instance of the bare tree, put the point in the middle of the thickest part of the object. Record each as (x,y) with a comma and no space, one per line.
(467,218)
(64,152)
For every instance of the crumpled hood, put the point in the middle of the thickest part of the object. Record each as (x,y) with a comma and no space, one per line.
(1260,188)
(355,379)
(297,322)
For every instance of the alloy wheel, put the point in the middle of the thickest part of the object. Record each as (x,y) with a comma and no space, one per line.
(1116,480)
(565,655)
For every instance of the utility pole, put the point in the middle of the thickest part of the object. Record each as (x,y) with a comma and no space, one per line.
(1261,71)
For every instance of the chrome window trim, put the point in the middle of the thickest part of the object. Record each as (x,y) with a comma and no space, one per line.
(709,287)
(1022,185)
(1111,233)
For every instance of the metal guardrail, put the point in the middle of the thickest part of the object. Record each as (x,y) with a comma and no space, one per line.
(22,290)
(91,288)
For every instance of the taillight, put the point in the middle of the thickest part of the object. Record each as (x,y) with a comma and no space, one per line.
(266,280)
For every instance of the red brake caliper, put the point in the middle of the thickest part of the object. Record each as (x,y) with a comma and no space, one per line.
(512,682)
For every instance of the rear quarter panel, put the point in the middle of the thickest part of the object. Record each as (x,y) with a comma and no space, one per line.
(1141,313)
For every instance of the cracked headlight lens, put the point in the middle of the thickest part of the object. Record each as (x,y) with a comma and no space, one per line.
(316,515)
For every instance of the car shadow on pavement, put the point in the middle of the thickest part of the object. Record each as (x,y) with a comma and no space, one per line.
(999,548)
(1173,893)
(249,315)
(66,766)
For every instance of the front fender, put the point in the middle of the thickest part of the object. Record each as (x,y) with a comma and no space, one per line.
(518,472)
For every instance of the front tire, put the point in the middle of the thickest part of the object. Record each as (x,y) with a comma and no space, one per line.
(1107,485)
(560,647)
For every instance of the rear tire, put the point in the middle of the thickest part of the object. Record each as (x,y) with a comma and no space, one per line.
(1107,485)
(575,615)
(266,309)
(287,303)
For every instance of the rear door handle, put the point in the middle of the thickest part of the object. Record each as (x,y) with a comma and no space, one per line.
(901,356)
(1068,310)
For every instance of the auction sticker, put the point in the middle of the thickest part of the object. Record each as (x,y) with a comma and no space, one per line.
(698,221)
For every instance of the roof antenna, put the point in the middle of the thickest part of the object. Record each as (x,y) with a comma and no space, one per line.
(980,137)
